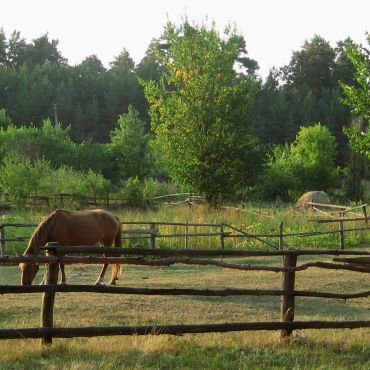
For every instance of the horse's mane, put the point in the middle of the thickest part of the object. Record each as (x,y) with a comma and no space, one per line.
(39,236)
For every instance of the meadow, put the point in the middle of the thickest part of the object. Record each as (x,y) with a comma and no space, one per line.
(308,349)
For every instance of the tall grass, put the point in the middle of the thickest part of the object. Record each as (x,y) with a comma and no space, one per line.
(253,220)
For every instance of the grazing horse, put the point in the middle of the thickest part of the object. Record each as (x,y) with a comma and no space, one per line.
(76,228)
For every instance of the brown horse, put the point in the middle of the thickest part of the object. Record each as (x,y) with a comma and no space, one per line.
(73,229)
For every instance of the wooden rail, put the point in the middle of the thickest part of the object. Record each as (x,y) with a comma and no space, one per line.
(46,331)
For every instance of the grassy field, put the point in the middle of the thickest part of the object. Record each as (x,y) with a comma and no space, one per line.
(309,349)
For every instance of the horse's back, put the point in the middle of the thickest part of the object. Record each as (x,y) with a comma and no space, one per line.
(86,227)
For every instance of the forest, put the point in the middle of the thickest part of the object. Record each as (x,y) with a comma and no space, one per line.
(193,115)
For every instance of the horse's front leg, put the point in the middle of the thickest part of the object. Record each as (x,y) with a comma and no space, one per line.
(63,281)
(100,280)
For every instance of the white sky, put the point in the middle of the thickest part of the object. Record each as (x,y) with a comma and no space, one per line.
(273,29)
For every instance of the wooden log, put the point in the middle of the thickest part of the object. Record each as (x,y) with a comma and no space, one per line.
(70,288)
(287,299)
(339,219)
(14,260)
(47,306)
(95,331)
(357,260)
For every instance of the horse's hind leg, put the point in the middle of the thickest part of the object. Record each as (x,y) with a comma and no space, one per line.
(100,280)
(63,277)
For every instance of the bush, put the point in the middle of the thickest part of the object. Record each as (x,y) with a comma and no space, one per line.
(132,191)
(21,178)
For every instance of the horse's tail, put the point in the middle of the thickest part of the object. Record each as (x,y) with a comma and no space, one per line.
(117,268)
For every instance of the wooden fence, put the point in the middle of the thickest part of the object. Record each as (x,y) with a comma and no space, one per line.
(358,262)
(150,230)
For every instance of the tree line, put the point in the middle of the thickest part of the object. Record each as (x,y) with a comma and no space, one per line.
(193,111)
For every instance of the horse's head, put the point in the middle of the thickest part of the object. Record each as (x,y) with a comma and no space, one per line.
(28,272)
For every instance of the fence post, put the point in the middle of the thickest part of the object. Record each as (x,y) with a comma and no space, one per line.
(152,236)
(222,237)
(2,239)
(341,233)
(186,234)
(365,213)
(287,300)
(281,235)
(47,306)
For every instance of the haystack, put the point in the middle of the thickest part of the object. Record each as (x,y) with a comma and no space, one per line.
(314,197)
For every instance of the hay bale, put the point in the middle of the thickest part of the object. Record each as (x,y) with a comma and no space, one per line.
(314,197)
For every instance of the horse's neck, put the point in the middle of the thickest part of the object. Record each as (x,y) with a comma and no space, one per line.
(38,240)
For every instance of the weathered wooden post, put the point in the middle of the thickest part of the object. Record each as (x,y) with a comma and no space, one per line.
(2,240)
(365,213)
(47,305)
(152,236)
(287,300)
(222,237)
(281,235)
(186,235)
(341,233)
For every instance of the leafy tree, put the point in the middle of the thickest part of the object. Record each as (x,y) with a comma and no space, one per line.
(122,87)
(313,65)
(130,146)
(357,97)
(201,110)
(43,51)
(20,178)
(49,142)
(312,156)
(306,164)
(3,47)
(16,52)
(88,80)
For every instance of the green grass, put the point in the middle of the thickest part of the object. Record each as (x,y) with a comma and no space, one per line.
(309,349)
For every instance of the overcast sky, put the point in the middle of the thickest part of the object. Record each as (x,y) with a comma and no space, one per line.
(273,29)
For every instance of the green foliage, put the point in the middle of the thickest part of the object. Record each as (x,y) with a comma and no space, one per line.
(21,178)
(49,142)
(200,111)
(130,146)
(132,190)
(277,178)
(313,158)
(307,164)
(5,120)
(155,188)
(358,97)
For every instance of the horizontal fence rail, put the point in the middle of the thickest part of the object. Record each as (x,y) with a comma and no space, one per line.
(97,331)
(168,257)
(6,289)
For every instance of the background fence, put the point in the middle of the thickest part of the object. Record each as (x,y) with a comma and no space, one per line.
(150,231)
(359,261)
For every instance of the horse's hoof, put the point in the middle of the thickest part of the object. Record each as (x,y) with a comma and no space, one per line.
(62,283)
(99,283)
